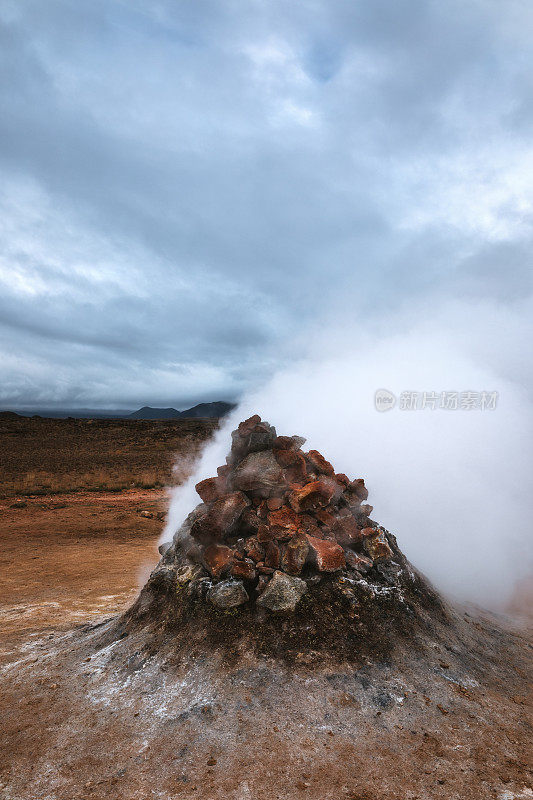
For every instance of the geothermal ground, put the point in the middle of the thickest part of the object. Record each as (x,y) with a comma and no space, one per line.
(95,707)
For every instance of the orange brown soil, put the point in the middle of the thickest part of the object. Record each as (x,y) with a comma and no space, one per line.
(88,715)
(65,559)
(42,456)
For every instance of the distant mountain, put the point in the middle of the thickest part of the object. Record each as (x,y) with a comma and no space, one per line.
(214,410)
(75,413)
(210,410)
(155,413)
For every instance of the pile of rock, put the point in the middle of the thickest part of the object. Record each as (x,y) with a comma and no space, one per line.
(275,521)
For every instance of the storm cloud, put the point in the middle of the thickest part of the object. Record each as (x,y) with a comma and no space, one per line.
(188,188)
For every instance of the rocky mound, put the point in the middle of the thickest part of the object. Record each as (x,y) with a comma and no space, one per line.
(282,543)
(282,648)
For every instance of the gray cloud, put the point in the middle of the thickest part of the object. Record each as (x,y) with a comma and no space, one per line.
(186,187)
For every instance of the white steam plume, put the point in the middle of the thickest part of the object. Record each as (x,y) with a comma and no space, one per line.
(452,485)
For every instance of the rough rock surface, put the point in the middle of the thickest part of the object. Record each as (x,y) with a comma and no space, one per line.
(286,547)
(282,593)
(227,594)
(370,688)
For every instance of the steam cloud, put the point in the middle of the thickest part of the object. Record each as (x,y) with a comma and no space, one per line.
(452,485)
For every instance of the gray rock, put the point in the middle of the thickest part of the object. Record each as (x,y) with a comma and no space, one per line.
(282,593)
(164,547)
(187,573)
(228,594)
(259,473)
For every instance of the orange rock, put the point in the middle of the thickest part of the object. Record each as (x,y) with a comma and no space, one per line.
(319,463)
(293,463)
(283,522)
(283,443)
(246,426)
(210,489)
(218,559)
(313,495)
(325,518)
(245,570)
(327,556)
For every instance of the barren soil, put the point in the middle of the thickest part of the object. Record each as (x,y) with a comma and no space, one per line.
(40,456)
(67,559)
(87,716)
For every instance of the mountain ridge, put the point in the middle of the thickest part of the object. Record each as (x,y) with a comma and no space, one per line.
(213,410)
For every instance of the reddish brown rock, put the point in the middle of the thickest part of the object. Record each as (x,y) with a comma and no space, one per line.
(272,555)
(288,442)
(250,521)
(293,463)
(365,509)
(295,554)
(254,549)
(325,517)
(313,495)
(327,556)
(357,561)
(265,533)
(343,479)
(246,426)
(308,524)
(221,518)
(283,443)
(210,489)
(319,464)
(218,559)
(283,522)
(347,532)
(358,488)
(274,503)
(258,473)
(245,570)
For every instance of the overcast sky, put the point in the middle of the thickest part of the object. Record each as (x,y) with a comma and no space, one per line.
(188,187)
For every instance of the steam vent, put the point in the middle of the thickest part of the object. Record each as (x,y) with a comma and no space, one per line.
(282,552)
